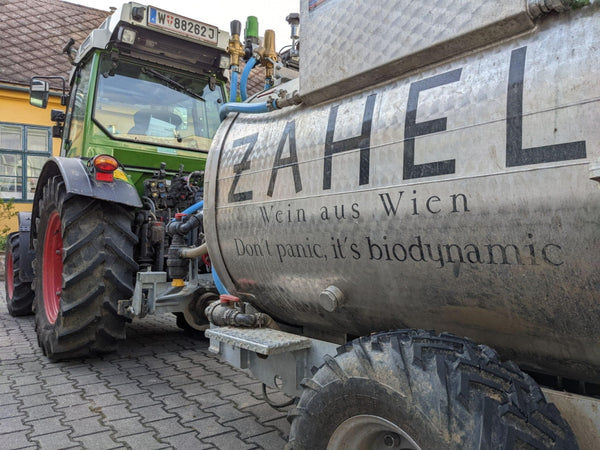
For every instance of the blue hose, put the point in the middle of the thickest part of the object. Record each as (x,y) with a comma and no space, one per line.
(250,108)
(195,207)
(233,87)
(218,283)
(244,80)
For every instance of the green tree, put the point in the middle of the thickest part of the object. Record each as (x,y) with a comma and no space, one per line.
(7,212)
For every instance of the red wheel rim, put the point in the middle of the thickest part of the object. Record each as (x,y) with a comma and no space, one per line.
(53,267)
(10,282)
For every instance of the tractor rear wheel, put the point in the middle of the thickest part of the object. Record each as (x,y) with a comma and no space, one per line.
(19,295)
(83,266)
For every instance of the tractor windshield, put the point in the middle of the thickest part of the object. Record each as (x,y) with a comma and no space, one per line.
(153,105)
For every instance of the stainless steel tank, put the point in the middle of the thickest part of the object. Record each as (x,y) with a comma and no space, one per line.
(461,197)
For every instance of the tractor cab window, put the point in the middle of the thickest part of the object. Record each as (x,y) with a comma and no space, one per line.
(153,105)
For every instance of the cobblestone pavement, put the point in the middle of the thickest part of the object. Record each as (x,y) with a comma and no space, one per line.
(161,389)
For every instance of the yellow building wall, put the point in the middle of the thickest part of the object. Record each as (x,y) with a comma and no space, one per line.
(15,108)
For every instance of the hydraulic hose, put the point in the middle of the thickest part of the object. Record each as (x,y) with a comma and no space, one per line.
(248,108)
(233,87)
(244,80)
(195,207)
(194,252)
(259,108)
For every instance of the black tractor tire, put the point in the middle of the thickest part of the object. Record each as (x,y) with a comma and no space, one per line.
(412,389)
(19,295)
(83,266)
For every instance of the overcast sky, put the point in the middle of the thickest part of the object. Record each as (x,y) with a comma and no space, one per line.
(271,13)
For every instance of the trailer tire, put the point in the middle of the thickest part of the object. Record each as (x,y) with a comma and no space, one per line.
(412,389)
(19,295)
(83,265)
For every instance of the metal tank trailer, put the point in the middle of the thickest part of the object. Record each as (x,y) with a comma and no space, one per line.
(440,173)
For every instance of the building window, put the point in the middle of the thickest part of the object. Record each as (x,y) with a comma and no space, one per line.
(23,151)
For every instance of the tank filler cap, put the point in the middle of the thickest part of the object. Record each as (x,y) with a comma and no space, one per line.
(331,298)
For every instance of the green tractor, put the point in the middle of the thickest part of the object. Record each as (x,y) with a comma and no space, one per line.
(103,242)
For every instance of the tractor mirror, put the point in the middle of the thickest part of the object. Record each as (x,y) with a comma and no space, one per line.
(38,93)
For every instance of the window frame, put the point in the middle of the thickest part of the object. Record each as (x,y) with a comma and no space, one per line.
(24,153)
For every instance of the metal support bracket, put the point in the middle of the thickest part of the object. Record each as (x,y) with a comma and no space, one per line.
(278,359)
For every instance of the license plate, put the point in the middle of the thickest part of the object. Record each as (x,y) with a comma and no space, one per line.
(182,25)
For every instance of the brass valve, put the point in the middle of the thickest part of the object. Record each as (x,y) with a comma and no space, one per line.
(268,55)
(235,47)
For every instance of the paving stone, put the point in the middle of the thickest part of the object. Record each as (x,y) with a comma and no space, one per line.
(139,400)
(208,427)
(127,389)
(96,389)
(179,380)
(227,412)
(229,440)
(168,427)
(78,370)
(11,424)
(115,412)
(248,426)
(127,427)
(265,413)
(244,400)
(56,441)
(46,426)
(25,380)
(194,389)
(116,379)
(8,398)
(128,363)
(226,389)
(208,400)
(83,427)
(86,380)
(54,380)
(152,413)
(211,379)
(104,367)
(8,411)
(137,371)
(40,412)
(146,441)
(81,411)
(189,413)
(99,441)
(168,372)
(30,389)
(268,440)
(14,440)
(187,441)
(102,400)
(63,401)
(282,424)
(175,400)
(57,390)
(151,362)
(158,391)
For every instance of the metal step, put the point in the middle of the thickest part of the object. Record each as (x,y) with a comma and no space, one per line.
(264,341)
